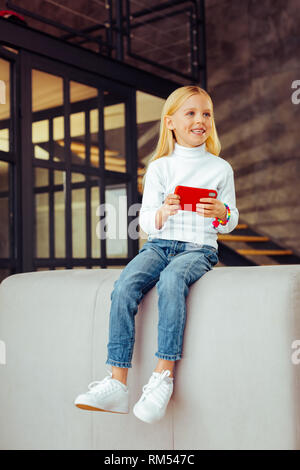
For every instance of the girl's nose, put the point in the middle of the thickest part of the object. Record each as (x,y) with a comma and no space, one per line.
(199,119)
(199,122)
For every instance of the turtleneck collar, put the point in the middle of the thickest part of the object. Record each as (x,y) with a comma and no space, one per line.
(189,152)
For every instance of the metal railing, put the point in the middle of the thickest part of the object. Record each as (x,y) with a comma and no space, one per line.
(116,38)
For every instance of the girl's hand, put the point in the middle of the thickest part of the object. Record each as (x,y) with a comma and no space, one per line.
(170,206)
(213,208)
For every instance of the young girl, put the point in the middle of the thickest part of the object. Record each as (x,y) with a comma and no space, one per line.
(181,248)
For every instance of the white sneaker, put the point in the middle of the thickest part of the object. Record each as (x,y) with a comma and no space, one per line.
(153,403)
(106,395)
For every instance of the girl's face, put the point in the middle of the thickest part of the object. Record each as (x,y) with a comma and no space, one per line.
(192,122)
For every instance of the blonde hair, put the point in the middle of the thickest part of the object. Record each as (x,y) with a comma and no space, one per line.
(166,142)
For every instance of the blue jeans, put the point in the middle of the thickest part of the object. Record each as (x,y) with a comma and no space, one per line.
(174,266)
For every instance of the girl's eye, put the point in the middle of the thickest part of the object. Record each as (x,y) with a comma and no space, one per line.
(192,112)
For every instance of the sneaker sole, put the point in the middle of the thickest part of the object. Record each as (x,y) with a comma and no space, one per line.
(92,408)
(143,418)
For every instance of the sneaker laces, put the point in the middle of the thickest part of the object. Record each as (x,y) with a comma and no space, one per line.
(102,386)
(154,383)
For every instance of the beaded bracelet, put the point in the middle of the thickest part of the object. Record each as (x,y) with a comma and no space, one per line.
(218,221)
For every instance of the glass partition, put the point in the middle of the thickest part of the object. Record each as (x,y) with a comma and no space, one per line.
(5,105)
(76,127)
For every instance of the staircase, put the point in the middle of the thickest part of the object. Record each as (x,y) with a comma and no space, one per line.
(245,247)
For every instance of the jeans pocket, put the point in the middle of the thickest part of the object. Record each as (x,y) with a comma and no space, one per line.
(213,257)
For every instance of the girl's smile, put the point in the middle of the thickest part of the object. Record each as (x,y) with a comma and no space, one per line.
(192,122)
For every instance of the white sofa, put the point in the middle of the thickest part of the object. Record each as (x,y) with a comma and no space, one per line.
(236,387)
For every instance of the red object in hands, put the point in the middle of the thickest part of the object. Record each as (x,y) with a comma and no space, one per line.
(189,196)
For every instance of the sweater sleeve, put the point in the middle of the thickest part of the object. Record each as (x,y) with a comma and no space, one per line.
(153,198)
(226,195)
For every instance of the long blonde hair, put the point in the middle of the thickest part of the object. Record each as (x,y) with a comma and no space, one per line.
(166,142)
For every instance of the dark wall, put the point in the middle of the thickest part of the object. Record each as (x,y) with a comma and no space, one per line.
(253,57)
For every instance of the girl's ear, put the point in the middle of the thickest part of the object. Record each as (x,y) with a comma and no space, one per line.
(169,122)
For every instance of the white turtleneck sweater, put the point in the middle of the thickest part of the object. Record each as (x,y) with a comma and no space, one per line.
(187,166)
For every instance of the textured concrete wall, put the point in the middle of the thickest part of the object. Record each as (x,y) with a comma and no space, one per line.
(253,57)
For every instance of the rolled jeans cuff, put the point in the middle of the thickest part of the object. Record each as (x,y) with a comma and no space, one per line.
(168,357)
(126,365)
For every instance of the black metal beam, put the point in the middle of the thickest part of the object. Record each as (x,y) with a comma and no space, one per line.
(119,20)
(27,176)
(51,194)
(201,40)
(102,172)
(50,22)
(132,165)
(23,37)
(68,159)
(17,180)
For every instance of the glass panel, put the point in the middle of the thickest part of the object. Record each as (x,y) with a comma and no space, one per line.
(58,139)
(4,210)
(116,221)
(78,178)
(42,225)
(78,219)
(40,139)
(114,133)
(95,201)
(4,182)
(148,108)
(47,95)
(59,215)
(47,91)
(78,149)
(41,179)
(80,92)
(59,177)
(84,97)
(94,129)
(4,139)
(4,104)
